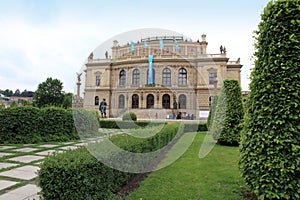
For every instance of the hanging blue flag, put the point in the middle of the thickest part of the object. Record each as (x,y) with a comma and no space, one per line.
(150,70)
(132,47)
(161,44)
(145,44)
(176,44)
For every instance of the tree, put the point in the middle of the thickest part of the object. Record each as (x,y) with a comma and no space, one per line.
(270,147)
(49,93)
(8,93)
(67,102)
(229,114)
(17,93)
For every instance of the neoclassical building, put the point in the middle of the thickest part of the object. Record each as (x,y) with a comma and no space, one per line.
(157,77)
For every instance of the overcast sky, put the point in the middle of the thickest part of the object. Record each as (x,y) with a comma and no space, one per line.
(52,38)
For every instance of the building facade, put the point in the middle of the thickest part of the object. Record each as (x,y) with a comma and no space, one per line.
(157,77)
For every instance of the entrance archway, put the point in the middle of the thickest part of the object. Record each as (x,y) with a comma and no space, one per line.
(150,101)
(166,101)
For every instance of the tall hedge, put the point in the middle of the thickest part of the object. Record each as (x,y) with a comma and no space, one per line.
(19,124)
(229,114)
(56,124)
(270,149)
(213,105)
(27,124)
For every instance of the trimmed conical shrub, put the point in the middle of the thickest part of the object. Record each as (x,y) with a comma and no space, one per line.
(270,148)
(229,113)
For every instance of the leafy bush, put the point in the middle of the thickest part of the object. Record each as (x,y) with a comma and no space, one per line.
(194,127)
(129,116)
(19,125)
(56,124)
(127,124)
(229,114)
(270,147)
(29,124)
(86,122)
(79,175)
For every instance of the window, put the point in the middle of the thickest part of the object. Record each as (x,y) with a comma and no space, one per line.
(182,77)
(166,77)
(121,101)
(191,50)
(212,77)
(182,101)
(122,78)
(166,101)
(150,101)
(136,77)
(181,50)
(135,101)
(96,100)
(153,73)
(97,80)
(168,49)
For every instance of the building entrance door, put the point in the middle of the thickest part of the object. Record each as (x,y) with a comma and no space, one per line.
(166,101)
(150,101)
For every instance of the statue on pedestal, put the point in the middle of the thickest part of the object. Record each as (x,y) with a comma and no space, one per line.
(221,49)
(78,77)
(102,108)
(91,56)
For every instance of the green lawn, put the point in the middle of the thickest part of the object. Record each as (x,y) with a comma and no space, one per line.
(214,177)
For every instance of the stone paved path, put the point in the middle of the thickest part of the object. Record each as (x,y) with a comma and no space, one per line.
(18,167)
(19,164)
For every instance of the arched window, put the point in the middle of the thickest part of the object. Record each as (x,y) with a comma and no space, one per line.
(122,77)
(121,101)
(136,77)
(166,101)
(153,73)
(166,76)
(182,76)
(182,101)
(150,101)
(135,101)
(96,100)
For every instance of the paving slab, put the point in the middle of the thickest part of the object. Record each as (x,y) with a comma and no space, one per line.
(26,159)
(81,144)
(27,149)
(21,193)
(45,153)
(47,146)
(25,172)
(67,143)
(69,147)
(6,165)
(6,147)
(5,184)
(4,154)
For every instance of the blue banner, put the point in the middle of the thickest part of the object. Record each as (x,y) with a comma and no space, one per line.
(132,47)
(150,70)
(161,44)
(145,44)
(176,44)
